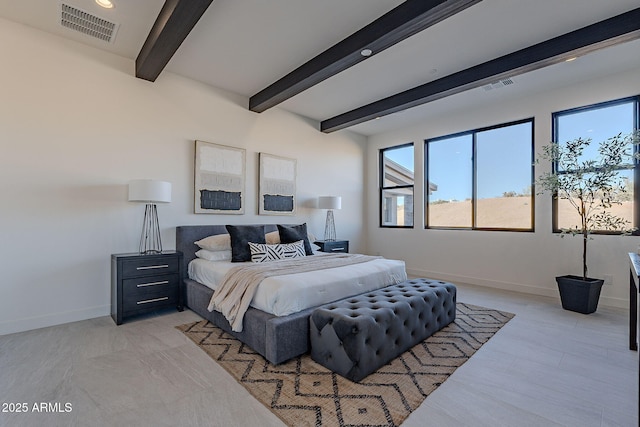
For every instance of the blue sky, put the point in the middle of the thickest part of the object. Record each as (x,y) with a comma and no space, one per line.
(504,154)
(598,125)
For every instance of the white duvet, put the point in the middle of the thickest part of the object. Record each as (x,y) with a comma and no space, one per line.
(290,293)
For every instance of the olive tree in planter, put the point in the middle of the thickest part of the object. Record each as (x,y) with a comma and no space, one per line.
(592,187)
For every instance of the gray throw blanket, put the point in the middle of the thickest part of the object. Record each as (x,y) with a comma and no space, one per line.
(237,288)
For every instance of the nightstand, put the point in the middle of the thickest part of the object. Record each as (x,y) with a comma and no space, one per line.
(333,245)
(144,283)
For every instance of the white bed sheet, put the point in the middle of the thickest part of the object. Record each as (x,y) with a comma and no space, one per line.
(290,293)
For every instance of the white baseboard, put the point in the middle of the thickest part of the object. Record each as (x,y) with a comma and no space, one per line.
(516,287)
(36,322)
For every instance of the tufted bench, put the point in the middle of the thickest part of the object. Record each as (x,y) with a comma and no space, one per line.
(355,336)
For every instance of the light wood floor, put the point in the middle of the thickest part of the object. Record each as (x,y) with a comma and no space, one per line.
(546,367)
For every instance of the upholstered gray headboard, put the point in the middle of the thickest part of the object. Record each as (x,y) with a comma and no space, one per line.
(187,234)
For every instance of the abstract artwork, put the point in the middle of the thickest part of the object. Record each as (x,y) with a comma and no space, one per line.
(277,195)
(219,179)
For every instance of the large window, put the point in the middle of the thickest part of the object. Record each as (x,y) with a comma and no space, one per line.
(599,122)
(396,186)
(481,179)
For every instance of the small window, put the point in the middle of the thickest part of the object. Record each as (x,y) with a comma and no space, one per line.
(396,186)
(481,179)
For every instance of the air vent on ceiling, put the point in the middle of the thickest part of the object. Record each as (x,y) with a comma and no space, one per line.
(87,23)
(498,84)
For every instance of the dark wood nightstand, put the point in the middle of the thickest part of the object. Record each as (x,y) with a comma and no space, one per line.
(144,283)
(333,245)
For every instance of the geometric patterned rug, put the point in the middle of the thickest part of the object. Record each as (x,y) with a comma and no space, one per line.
(302,393)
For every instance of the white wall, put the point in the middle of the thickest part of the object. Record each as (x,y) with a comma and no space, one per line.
(509,260)
(76,126)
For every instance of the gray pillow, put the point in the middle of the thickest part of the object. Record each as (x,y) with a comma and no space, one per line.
(293,233)
(241,235)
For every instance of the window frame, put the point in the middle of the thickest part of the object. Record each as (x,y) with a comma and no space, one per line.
(474,178)
(636,163)
(382,187)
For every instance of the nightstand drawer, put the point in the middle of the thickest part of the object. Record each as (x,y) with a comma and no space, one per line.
(138,303)
(150,267)
(143,283)
(150,284)
(333,245)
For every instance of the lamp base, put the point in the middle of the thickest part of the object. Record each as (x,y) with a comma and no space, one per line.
(150,241)
(330,227)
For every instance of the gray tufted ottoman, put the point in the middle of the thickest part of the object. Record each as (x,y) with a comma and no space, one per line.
(355,336)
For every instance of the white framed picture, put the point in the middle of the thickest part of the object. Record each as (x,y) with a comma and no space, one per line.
(277,192)
(219,183)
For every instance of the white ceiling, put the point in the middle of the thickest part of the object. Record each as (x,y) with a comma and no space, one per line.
(244,45)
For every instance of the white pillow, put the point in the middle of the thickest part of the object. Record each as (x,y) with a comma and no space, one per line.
(261,252)
(272,238)
(214,255)
(219,242)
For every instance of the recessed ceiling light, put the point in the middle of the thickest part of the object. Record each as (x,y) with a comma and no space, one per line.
(571,59)
(107,4)
(366,52)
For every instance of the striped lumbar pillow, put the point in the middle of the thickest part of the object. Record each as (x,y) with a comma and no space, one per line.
(261,252)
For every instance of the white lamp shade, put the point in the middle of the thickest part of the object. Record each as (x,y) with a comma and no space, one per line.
(149,191)
(329,202)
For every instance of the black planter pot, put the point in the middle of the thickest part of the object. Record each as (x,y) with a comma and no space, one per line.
(578,294)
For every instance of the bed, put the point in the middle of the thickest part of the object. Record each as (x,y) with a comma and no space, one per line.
(276,337)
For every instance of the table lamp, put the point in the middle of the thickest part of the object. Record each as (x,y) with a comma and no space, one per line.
(330,203)
(150,191)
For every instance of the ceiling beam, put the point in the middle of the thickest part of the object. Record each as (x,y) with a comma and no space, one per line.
(402,22)
(173,24)
(610,32)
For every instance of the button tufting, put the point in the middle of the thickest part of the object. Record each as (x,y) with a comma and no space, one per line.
(421,303)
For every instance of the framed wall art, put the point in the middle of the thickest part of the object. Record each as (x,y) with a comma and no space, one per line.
(219,179)
(277,186)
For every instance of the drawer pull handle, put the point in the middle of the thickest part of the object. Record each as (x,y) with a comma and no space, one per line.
(142,285)
(152,300)
(337,249)
(153,266)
